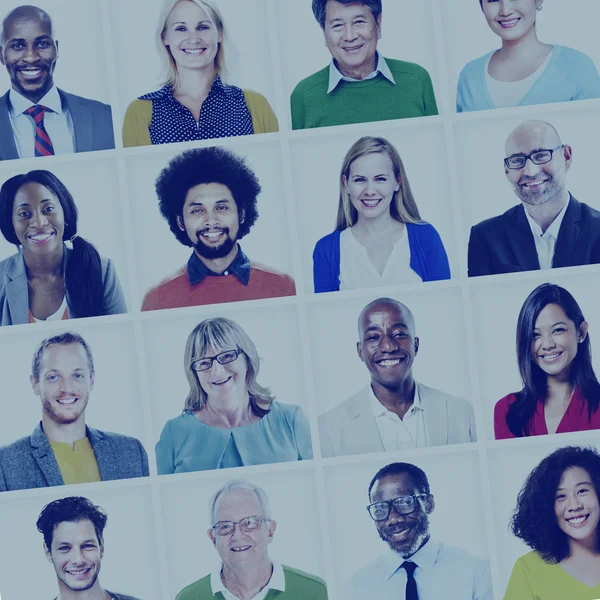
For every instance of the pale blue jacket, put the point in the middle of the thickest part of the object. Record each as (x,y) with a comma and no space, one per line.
(570,75)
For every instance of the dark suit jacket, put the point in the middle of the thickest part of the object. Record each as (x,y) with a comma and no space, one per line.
(30,462)
(505,244)
(92,124)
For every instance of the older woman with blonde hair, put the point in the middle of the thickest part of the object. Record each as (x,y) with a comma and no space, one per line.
(380,238)
(195,101)
(229,419)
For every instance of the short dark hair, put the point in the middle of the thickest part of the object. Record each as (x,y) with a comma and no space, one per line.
(62,339)
(401,468)
(534,518)
(21,13)
(206,165)
(71,509)
(319,8)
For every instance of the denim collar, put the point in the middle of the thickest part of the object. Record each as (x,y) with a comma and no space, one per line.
(240,267)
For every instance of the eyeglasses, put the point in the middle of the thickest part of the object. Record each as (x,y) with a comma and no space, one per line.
(223,358)
(403,505)
(248,525)
(539,157)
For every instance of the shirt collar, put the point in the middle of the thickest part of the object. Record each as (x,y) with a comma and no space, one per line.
(51,101)
(277,581)
(240,267)
(425,558)
(335,76)
(380,410)
(552,231)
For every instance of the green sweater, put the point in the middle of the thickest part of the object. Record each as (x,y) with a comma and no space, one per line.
(376,99)
(298,586)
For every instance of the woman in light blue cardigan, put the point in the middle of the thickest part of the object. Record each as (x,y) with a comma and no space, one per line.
(229,419)
(524,71)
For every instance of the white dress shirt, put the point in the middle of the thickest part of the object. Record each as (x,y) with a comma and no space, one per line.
(357,270)
(442,572)
(397,433)
(277,582)
(545,243)
(57,122)
(335,76)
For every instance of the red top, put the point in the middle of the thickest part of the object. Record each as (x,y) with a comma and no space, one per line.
(574,419)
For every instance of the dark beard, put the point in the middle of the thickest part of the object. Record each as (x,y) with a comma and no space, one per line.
(212,252)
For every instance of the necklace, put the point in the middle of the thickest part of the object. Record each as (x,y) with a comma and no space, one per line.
(45,293)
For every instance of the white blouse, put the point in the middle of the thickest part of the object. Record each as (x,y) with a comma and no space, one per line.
(357,270)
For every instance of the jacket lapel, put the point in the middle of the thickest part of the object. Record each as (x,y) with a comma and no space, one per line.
(569,231)
(16,290)
(436,416)
(8,148)
(363,435)
(44,457)
(106,459)
(521,240)
(82,122)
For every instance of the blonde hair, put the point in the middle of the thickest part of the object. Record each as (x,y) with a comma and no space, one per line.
(223,333)
(169,75)
(403,207)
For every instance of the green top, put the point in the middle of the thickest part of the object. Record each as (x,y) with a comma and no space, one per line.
(298,586)
(534,579)
(376,99)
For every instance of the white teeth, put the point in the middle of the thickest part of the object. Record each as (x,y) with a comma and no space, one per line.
(194,51)
(389,363)
(509,23)
(370,203)
(551,356)
(577,520)
(240,548)
(66,400)
(214,234)
(534,183)
(31,72)
(41,236)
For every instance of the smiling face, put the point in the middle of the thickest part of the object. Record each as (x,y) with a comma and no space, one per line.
(576,506)
(371,184)
(511,19)
(38,220)
(404,534)
(29,55)
(211,220)
(191,37)
(65,383)
(76,555)
(387,345)
(222,381)
(538,184)
(556,341)
(242,550)
(351,35)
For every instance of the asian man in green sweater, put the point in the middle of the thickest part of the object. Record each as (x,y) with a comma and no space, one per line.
(359,85)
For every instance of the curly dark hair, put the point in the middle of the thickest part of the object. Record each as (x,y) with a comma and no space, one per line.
(400,468)
(207,165)
(534,518)
(71,509)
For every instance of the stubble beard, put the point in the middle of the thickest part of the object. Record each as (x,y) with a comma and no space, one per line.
(60,418)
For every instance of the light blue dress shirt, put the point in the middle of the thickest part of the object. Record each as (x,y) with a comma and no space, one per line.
(186,444)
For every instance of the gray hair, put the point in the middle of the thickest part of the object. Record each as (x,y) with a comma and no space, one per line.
(240,484)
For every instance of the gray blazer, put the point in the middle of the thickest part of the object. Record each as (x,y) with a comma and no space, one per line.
(92,124)
(30,462)
(14,296)
(350,428)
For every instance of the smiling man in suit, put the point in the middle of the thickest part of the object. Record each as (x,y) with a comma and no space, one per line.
(549,228)
(36,118)
(394,412)
(62,449)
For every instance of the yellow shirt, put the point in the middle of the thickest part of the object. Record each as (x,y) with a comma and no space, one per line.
(534,579)
(77,464)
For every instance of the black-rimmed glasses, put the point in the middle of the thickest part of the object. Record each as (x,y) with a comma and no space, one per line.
(248,525)
(223,358)
(539,157)
(403,505)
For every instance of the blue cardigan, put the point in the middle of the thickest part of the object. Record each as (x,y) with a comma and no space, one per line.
(428,257)
(570,75)
(186,444)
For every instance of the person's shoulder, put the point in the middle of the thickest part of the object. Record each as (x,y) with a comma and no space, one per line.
(505,402)
(571,58)
(11,451)
(462,558)
(476,65)
(199,590)
(155,295)
(87,103)
(492,223)
(310,583)
(8,263)
(318,80)
(405,67)
(348,406)
(179,423)
(269,272)
(586,210)
(120,439)
(139,107)
(117,596)
(422,230)
(254,98)
(329,240)
(432,394)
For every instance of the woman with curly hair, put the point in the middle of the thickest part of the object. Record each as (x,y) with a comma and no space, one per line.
(560,390)
(557,515)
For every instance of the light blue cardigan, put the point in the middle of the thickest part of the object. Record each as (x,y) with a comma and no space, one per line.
(570,75)
(186,444)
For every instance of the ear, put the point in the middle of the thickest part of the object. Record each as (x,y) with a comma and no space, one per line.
(568,154)
(35,385)
(378,24)
(211,535)
(180,223)
(92,380)
(242,216)
(47,552)
(56,44)
(2,55)
(102,550)
(416,345)
(583,329)
(272,528)
(429,504)
(398,184)
(345,182)
(359,351)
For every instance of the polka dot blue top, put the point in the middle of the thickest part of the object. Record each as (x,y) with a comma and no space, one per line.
(223,114)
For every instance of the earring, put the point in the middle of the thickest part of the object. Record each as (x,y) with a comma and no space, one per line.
(540,8)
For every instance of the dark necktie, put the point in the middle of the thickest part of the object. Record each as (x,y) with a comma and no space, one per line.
(411,584)
(43,144)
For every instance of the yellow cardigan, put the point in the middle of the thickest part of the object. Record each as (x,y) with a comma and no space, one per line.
(139,114)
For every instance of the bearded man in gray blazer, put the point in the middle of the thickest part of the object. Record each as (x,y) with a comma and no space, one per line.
(62,449)
(394,412)
(37,118)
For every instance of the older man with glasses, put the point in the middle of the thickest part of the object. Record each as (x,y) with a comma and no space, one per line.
(418,568)
(549,228)
(241,530)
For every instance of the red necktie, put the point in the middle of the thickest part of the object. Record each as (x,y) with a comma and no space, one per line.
(43,143)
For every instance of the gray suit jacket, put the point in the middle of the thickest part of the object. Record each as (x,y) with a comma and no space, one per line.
(92,124)
(14,296)
(350,428)
(30,462)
